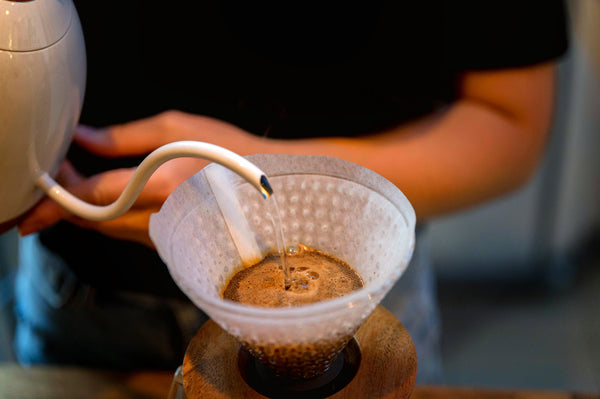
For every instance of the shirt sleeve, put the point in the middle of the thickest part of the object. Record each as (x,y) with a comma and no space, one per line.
(503,33)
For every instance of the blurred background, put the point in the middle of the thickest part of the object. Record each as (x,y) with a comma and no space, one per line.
(519,278)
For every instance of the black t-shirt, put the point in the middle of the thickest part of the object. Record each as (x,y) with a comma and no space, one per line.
(286,70)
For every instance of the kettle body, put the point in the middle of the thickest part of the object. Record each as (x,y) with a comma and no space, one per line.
(42,84)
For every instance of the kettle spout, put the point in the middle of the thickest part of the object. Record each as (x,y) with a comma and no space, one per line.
(140,177)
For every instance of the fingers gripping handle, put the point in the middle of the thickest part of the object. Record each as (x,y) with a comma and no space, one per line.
(195,149)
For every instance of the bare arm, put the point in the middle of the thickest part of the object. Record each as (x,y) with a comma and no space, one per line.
(484,145)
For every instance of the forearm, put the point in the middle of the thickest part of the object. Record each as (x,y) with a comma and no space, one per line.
(484,145)
(467,155)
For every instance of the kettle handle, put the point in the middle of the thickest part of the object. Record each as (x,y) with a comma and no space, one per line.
(195,149)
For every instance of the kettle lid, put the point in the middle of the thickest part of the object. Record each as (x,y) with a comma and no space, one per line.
(29,25)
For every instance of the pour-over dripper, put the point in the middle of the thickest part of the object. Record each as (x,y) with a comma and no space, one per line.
(332,205)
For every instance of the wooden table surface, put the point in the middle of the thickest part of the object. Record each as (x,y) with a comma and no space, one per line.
(76,383)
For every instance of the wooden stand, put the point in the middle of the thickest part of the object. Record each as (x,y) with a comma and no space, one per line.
(388,364)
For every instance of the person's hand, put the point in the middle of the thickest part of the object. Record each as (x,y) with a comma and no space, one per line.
(131,139)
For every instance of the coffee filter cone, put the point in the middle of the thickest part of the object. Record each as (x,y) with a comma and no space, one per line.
(216,223)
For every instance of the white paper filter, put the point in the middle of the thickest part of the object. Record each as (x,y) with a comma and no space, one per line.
(326,203)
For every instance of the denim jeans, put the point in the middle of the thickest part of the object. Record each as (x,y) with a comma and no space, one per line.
(63,321)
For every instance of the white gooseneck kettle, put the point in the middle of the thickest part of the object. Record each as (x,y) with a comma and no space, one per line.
(42,81)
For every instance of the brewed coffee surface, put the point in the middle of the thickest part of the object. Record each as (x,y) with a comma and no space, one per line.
(316,276)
